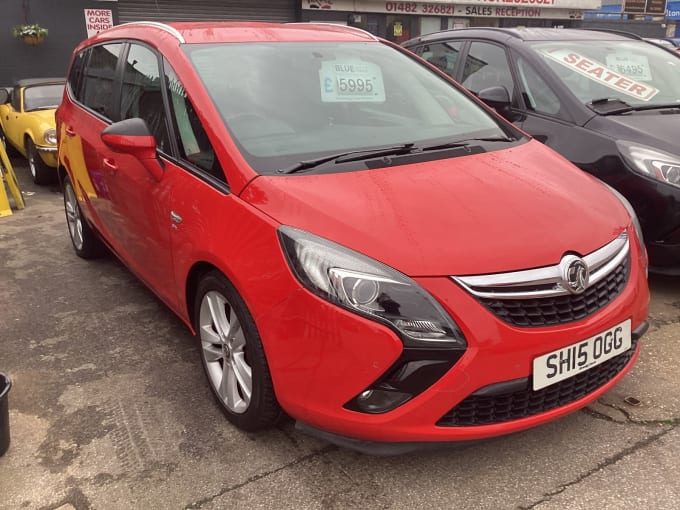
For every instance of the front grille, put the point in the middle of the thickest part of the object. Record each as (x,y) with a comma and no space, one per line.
(485,409)
(560,309)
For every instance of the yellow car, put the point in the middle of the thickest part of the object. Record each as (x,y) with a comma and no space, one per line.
(27,123)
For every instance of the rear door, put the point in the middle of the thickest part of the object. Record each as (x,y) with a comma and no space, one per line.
(91,88)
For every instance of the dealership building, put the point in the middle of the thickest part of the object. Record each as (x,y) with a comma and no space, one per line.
(71,21)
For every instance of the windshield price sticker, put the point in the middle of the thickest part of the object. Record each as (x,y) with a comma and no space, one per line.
(604,75)
(633,66)
(347,81)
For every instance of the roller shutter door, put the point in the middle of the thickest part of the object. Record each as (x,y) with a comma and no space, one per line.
(200,10)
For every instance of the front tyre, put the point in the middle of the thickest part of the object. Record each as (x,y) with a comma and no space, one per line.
(85,242)
(233,356)
(41,173)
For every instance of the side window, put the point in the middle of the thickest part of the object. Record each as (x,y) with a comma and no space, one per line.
(442,55)
(486,66)
(193,142)
(75,76)
(537,95)
(98,78)
(142,95)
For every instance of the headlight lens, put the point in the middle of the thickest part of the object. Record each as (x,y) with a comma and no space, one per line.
(50,136)
(651,162)
(368,287)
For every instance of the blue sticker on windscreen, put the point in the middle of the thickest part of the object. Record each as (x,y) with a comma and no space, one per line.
(351,81)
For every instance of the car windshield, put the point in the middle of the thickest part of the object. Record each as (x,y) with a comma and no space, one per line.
(634,72)
(289,102)
(42,97)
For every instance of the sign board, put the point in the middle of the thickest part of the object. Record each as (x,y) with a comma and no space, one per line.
(656,7)
(97,20)
(443,7)
(645,7)
(673,10)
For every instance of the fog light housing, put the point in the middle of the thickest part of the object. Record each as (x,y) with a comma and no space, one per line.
(375,401)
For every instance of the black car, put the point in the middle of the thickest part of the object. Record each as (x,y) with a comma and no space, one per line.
(608,102)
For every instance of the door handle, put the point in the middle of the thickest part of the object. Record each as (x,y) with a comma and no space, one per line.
(70,131)
(110,165)
(176,218)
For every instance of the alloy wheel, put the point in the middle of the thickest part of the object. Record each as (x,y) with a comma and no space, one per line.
(75,222)
(223,347)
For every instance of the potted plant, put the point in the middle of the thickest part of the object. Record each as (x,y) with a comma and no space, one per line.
(30,34)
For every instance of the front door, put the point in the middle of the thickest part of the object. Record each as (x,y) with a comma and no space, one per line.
(142,203)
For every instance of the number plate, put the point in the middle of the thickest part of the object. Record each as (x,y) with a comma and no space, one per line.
(581,356)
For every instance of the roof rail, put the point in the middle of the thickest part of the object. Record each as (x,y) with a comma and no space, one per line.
(622,33)
(345,27)
(172,31)
(435,36)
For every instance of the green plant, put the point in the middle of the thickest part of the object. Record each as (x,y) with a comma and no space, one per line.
(34,30)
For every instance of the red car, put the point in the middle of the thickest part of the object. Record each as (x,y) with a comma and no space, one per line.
(354,239)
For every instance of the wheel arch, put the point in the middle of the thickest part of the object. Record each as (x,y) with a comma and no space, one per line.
(196,273)
(28,136)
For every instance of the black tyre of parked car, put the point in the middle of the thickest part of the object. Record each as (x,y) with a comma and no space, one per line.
(233,356)
(41,173)
(85,242)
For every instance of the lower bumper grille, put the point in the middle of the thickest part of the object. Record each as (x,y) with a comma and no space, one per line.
(489,409)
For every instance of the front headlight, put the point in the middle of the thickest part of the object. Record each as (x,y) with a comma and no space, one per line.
(50,136)
(369,288)
(651,162)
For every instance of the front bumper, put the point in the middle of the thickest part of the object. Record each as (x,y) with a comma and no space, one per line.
(322,356)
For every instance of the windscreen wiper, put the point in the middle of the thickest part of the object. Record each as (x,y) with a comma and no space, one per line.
(609,106)
(465,143)
(646,107)
(344,157)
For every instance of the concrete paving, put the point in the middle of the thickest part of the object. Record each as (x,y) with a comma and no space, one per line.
(109,409)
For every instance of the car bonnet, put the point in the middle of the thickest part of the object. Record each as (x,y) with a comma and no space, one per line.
(506,210)
(656,128)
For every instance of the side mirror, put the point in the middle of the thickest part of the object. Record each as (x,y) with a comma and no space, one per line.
(132,136)
(496,97)
(4,95)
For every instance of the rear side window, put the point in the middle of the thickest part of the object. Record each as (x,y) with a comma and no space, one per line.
(98,78)
(142,96)
(75,76)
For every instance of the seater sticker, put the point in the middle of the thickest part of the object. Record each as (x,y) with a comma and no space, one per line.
(351,81)
(604,74)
